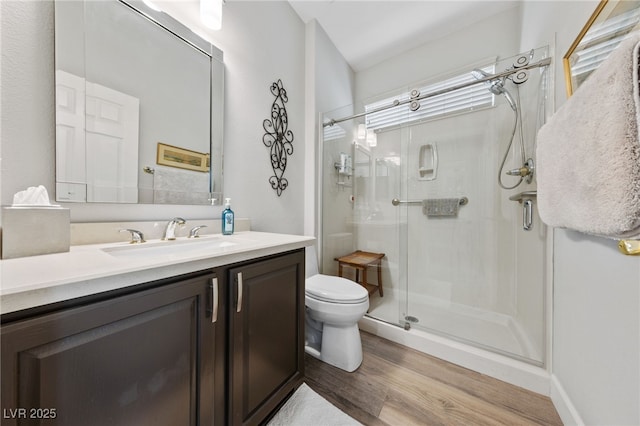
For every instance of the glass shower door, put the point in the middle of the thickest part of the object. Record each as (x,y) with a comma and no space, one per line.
(473,273)
(381,227)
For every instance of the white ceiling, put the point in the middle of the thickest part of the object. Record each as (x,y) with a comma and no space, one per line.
(367,32)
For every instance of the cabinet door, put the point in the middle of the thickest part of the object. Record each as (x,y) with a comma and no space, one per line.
(147,358)
(267,335)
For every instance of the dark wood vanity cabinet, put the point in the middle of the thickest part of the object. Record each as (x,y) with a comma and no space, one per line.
(266,337)
(150,357)
(162,354)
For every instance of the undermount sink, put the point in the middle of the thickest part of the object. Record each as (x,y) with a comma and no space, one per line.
(203,244)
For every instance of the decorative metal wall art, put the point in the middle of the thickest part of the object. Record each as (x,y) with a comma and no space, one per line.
(278,137)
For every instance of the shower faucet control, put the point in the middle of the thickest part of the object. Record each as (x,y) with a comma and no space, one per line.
(522,171)
(525,171)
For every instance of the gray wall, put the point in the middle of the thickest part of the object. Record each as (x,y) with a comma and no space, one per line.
(332,87)
(262,42)
(596,290)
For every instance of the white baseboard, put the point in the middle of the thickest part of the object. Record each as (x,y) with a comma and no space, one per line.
(565,408)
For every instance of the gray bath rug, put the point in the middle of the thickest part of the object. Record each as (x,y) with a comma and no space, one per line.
(307,408)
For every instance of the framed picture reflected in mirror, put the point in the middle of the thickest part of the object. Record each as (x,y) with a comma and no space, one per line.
(182,158)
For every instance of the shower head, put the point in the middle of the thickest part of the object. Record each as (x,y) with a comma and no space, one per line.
(495,86)
(479,74)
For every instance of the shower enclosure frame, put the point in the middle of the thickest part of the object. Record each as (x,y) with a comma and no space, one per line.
(542,63)
(373,324)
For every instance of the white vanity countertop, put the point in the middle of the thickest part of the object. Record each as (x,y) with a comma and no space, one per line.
(90,269)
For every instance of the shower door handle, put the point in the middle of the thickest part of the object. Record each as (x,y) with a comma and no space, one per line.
(527,215)
(526,199)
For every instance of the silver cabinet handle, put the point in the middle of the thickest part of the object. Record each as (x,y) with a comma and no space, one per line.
(239,305)
(527,215)
(214,300)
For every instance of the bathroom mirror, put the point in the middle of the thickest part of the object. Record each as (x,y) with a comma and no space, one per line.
(609,24)
(139,104)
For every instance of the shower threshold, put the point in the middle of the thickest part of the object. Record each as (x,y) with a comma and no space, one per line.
(490,330)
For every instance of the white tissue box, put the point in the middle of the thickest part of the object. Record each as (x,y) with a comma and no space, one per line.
(31,231)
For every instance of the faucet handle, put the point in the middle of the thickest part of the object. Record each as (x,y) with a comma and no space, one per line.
(136,236)
(193,233)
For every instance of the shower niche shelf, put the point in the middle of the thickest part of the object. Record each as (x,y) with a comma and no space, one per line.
(428,162)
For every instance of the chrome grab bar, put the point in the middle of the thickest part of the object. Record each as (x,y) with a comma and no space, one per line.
(396,202)
(463,201)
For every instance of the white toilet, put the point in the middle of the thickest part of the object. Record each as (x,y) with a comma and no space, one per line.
(334,306)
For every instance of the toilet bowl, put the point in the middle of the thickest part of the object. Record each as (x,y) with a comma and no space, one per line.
(334,306)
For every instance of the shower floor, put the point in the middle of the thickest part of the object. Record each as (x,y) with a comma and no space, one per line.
(472,325)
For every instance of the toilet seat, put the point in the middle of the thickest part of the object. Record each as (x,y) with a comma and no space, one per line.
(335,290)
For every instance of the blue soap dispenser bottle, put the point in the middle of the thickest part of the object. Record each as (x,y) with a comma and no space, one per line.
(227,218)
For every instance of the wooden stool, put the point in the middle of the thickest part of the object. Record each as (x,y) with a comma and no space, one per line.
(360,261)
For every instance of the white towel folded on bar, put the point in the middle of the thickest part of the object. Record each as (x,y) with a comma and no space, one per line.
(588,154)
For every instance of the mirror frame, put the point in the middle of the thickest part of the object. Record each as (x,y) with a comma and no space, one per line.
(598,15)
(173,26)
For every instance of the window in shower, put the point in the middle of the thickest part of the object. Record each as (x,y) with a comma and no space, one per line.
(467,99)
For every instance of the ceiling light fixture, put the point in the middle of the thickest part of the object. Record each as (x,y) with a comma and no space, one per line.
(211,13)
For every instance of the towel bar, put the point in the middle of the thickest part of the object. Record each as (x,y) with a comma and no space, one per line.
(629,247)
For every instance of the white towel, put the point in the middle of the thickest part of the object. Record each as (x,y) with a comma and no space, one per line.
(176,186)
(588,154)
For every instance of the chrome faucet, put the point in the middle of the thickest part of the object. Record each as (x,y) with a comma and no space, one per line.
(170,230)
(193,233)
(137,237)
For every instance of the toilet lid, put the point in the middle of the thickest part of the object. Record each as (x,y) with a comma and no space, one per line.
(335,289)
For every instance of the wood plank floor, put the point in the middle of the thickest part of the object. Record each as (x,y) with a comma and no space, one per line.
(396,385)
